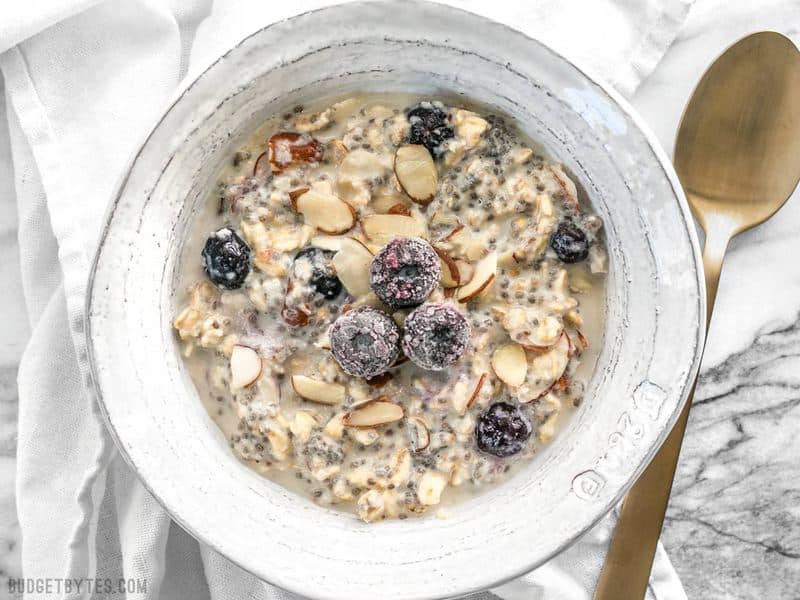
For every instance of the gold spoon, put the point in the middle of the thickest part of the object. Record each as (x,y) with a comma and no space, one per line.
(738,158)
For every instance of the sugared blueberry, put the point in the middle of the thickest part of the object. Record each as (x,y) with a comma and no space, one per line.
(364,341)
(570,242)
(502,430)
(226,259)
(405,272)
(435,336)
(314,264)
(429,127)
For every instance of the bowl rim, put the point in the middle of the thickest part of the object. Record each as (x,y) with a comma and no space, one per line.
(667,170)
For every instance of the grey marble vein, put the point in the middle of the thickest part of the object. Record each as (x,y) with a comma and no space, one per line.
(733,528)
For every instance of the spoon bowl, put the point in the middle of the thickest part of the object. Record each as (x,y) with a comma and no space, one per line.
(738,158)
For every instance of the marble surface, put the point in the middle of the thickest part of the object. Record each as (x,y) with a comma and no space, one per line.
(733,527)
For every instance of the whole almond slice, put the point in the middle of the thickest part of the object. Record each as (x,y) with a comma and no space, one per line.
(246,366)
(325,211)
(374,413)
(510,364)
(416,172)
(382,229)
(352,263)
(318,391)
(451,276)
(484,275)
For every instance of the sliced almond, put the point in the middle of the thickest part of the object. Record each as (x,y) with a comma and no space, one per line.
(352,263)
(399,209)
(545,369)
(510,364)
(327,242)
(295,194)
(545,334)
(325,211)
(451,276)
(382,202)
(419,434)
(400,464)
(465,271)
(453,232)
(318,391)
(483,277)
(261,166)
(246,366)
(382,229)
(288,148)
(416,172)
(374,413)
(476,392)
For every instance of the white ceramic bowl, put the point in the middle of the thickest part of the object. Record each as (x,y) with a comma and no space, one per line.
(654,307)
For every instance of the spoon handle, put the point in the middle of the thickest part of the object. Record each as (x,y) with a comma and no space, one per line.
(626,570)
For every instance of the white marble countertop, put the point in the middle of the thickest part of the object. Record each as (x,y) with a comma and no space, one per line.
(733,528)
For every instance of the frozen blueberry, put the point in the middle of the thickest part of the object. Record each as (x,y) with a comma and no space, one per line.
(405,272)
(315,264)
(226,259)
(570,242)
(365,341)
(502,430)
(435,336)
(429,127)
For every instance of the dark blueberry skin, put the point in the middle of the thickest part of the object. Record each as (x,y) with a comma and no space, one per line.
(570,242)
(323,278)
(405,272)
(226,259)
(429,127)
(502,430)
(365,341)
(435,336)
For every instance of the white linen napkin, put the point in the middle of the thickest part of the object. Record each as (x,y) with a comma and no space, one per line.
(84,81)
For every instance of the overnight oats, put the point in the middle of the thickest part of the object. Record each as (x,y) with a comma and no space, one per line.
(391,302)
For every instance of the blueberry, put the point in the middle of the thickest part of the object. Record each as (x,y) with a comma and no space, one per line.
(405,272)
(435,336)
(570,242)
(226,259)
(320,273)
(429,127)
(502,430)
(364,341)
